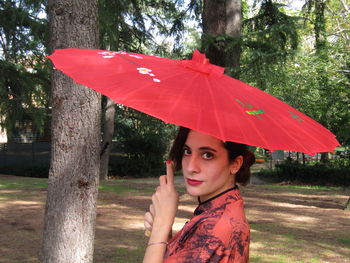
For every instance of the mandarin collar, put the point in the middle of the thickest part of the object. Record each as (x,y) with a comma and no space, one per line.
(207,204)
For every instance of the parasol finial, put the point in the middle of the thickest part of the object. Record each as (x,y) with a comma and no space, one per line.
(202,64)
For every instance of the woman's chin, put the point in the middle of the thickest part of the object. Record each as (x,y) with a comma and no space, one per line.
(193,191)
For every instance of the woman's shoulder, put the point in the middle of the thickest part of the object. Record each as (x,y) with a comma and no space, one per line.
(228,224)
(222,233)
(230,215)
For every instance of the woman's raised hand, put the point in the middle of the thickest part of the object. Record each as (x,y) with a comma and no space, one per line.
(164,203)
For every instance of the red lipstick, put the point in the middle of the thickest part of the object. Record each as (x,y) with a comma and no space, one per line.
(193,182)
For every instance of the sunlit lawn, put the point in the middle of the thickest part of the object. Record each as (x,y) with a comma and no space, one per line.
(304,224)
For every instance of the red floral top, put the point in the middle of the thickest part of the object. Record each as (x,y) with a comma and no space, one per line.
(217,233)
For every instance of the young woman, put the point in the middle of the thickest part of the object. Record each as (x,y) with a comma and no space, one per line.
(218,230)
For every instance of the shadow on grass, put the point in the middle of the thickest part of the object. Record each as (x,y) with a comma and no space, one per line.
(276,237)
(119,245)
(303,196)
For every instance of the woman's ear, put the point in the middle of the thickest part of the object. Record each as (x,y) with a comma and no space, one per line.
(236,164)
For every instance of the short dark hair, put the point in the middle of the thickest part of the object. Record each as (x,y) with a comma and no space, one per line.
(234,150)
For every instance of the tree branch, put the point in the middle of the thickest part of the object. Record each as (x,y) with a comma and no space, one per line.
(346,7)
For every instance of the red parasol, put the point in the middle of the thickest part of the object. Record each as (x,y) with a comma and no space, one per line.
(198,95)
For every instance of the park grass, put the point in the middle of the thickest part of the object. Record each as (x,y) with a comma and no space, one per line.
(123,255)
(16,182)
(121,186)
(29,183)
(301,188)
(289,224)
(344,241)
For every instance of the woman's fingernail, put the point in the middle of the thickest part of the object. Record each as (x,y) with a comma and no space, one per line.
(168,161)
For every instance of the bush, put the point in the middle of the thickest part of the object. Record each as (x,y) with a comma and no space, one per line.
(317,174)
(135,167)
(139,151)
(38,171)
(269,176)
(140,155)
(339,163)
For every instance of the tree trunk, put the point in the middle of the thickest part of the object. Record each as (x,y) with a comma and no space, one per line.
(233,28)
(347,205)
(223,17)
(324,158)
(214,23)
(75,158)
(108,131)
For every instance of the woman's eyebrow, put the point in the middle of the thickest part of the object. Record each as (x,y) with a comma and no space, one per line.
(203,148)
(207,148)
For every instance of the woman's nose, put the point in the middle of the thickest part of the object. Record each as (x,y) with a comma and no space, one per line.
(193,164)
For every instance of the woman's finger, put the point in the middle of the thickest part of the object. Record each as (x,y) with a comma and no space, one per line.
(162,181)
(169,173)
(148,218)
(151,209)
(154,198)
(148,226)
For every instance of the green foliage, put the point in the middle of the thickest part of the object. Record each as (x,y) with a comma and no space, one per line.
(122,26)
(24,76)
(316,174)
(298,84)
(135,25)
(339,163)
(312,77)
(268,39)
(141,143)
(273,31)
(25,97)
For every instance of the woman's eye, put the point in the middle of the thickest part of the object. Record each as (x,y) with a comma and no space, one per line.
(208,155)
(186,152)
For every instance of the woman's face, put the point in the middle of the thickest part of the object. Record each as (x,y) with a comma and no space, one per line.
(206,167)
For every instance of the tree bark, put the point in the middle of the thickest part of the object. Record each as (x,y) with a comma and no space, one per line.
(233,28)
(108,131)
(223,17)
(75,156)
(214,24)
(347,205)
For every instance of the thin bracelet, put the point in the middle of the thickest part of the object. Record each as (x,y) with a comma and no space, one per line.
(157,243)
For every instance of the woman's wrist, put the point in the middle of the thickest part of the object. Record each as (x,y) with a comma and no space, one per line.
(163,224)
(157,243)
(160,233)
(158,236)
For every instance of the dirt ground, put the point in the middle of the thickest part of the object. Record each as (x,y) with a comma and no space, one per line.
(287,225)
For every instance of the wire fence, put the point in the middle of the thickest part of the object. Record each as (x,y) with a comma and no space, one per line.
(39,153)
(35,153)
(22,154)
